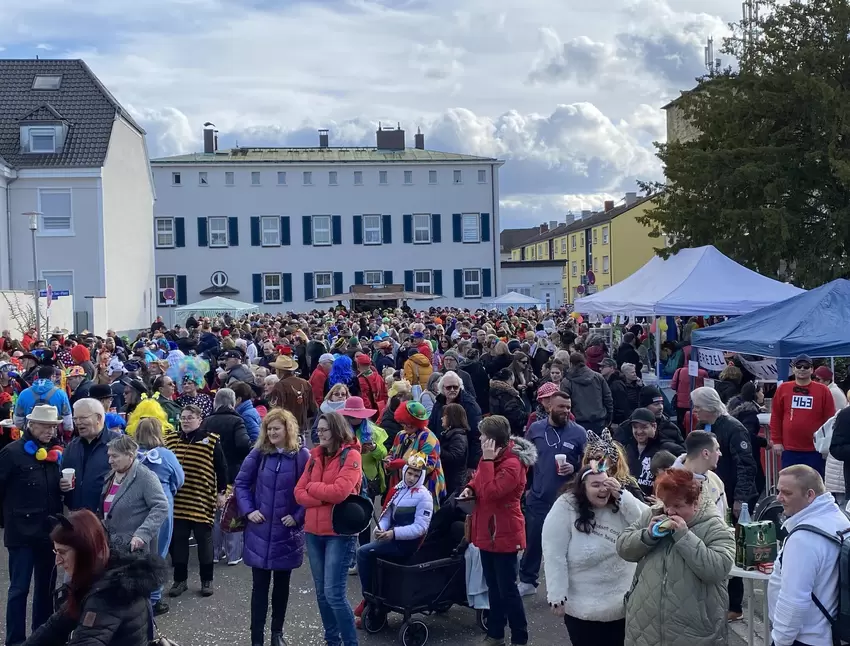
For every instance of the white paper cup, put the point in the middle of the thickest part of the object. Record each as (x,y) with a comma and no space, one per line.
(68,476)
(561,459)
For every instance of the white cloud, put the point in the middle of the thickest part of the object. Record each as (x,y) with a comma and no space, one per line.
(272,73)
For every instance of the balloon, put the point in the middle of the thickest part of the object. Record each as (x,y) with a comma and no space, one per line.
(579,319)
(663,325)
(607,320)
(652,328)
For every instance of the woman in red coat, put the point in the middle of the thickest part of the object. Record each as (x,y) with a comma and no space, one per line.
(498,526)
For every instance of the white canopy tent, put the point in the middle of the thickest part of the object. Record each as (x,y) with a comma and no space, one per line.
(512,299)
(693,282)
(215,306)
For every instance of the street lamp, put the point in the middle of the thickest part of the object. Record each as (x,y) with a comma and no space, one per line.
(33,222)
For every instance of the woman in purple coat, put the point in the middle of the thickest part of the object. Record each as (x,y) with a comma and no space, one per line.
(274,536)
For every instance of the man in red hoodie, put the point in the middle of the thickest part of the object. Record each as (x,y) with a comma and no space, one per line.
(800,408)
(373,388)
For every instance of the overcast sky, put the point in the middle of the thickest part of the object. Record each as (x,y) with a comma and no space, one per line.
(567,92)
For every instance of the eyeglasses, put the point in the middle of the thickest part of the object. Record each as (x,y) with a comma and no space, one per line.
(803,366)
(77,420)
(188,418)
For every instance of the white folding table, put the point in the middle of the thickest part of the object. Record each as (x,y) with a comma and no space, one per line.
(750,577)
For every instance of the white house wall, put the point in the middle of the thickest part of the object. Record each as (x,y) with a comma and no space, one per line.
(541,281)
(191,201)
(127,245)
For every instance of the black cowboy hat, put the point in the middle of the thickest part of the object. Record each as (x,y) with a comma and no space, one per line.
(352,516)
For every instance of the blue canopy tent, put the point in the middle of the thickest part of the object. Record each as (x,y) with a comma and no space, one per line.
(813,323)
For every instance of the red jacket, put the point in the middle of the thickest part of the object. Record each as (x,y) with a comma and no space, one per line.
(317,383)
(682,385)
(373,390)
(497,521)
(326,483)
(797,412)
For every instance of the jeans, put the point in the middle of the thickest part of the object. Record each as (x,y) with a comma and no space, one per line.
(180,549)
(260,601)
(329,559)
(164,543)
(29,564)
(529,569)
(229,544)
(500,573)
(367,556)
(604,633)
(811,458)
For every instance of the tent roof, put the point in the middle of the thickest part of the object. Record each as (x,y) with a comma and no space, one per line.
(693,282)
(218,304)
(514,298)
(813,323)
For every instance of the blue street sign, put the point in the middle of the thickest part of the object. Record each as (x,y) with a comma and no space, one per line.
(56,292)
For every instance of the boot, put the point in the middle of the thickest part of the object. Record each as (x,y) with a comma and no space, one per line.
(206,588)
(178,588)
(278,639)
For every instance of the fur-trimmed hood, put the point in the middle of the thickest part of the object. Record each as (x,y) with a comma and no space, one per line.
(130,576)
(741,407)
(496,384)
(525,451)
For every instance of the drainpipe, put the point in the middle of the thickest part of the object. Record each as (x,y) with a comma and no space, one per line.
(9,227)
(494,234)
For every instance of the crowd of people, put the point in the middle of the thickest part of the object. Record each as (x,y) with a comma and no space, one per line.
(345,437)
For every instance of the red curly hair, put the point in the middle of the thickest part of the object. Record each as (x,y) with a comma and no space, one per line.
(678,485)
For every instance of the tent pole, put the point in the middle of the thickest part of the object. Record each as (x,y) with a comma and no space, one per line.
(657,349)
(832,366)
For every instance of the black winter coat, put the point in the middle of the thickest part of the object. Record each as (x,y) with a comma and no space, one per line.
(116,610)
(29,493)
(639,462)
(506,401)
(481,381)
(391,426)
(726,389)
(748,414)
(454,451)
(627,353)
(736,467)
(235,442)
(839,448)
(622,408)
(495,363)
(473,416)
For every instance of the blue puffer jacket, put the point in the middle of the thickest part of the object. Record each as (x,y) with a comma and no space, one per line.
(251,418)
(266,483)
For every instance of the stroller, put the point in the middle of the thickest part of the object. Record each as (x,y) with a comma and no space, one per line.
(432,583)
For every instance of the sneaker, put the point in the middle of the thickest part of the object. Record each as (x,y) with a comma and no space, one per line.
(352,571)
(160,608)
(527,589)
(734,616)
(178,588)
(492,641)
(206,588)
(236,562)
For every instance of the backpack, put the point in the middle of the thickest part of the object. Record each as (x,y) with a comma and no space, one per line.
(841,622)
(42,399)
(823,436)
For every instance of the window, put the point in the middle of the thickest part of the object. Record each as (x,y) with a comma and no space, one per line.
(46,82)
(218,232)
(458,177)
(408,177)
(563,245)
(42,140)
(482,177)
(595,237)
(55,207)
(163,283)
(228,178)
(432,177)
(575,269)
(374,278)
(272,292)
(281,178)
(332,177)
(255,178)
(307,178)
(539,251)
(382,177)
(271,231)
(371,229)
(175,179)
(470,230)
(471,283)
(573,243)
(321,230)
(164,232)
(582,240)
(358,178)
(606,264)
(582,268)
(421,228)
(323,283)
(595,263)
(604,235)
(202,178)
(422,281)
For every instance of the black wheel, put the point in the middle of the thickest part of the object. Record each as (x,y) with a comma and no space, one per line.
(413,633)
(443,608)
(374,619)
(481,617)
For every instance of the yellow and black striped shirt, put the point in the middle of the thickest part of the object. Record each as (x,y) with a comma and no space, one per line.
(196,499)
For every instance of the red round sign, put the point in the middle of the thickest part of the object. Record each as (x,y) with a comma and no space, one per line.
(580,289)
(591,277)
(169,294)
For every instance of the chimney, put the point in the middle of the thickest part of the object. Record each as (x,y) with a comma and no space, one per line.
(553,224)
(210,138)
(389,138)
(631,198)
(609,205)
(419,140)
(544,228)
(586,214)
(323,138)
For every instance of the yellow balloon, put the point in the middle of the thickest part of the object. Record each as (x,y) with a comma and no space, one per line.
(41,454)
(663,325)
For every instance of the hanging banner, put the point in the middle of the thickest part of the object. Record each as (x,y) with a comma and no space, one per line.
(711,360)
(763,370)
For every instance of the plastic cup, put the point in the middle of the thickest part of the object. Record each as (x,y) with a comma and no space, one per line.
(68,475)
(561,459)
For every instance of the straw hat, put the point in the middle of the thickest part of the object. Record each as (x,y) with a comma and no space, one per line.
(45,415)
(284,362)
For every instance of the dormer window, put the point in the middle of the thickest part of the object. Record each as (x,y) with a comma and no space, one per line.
(46,82)
(42,140)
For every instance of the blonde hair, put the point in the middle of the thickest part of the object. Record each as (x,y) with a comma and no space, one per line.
(337,389)
(293,439)
(620,470)
(149,433)
(501,348)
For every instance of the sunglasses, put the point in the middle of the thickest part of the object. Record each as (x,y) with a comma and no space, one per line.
(803,366)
